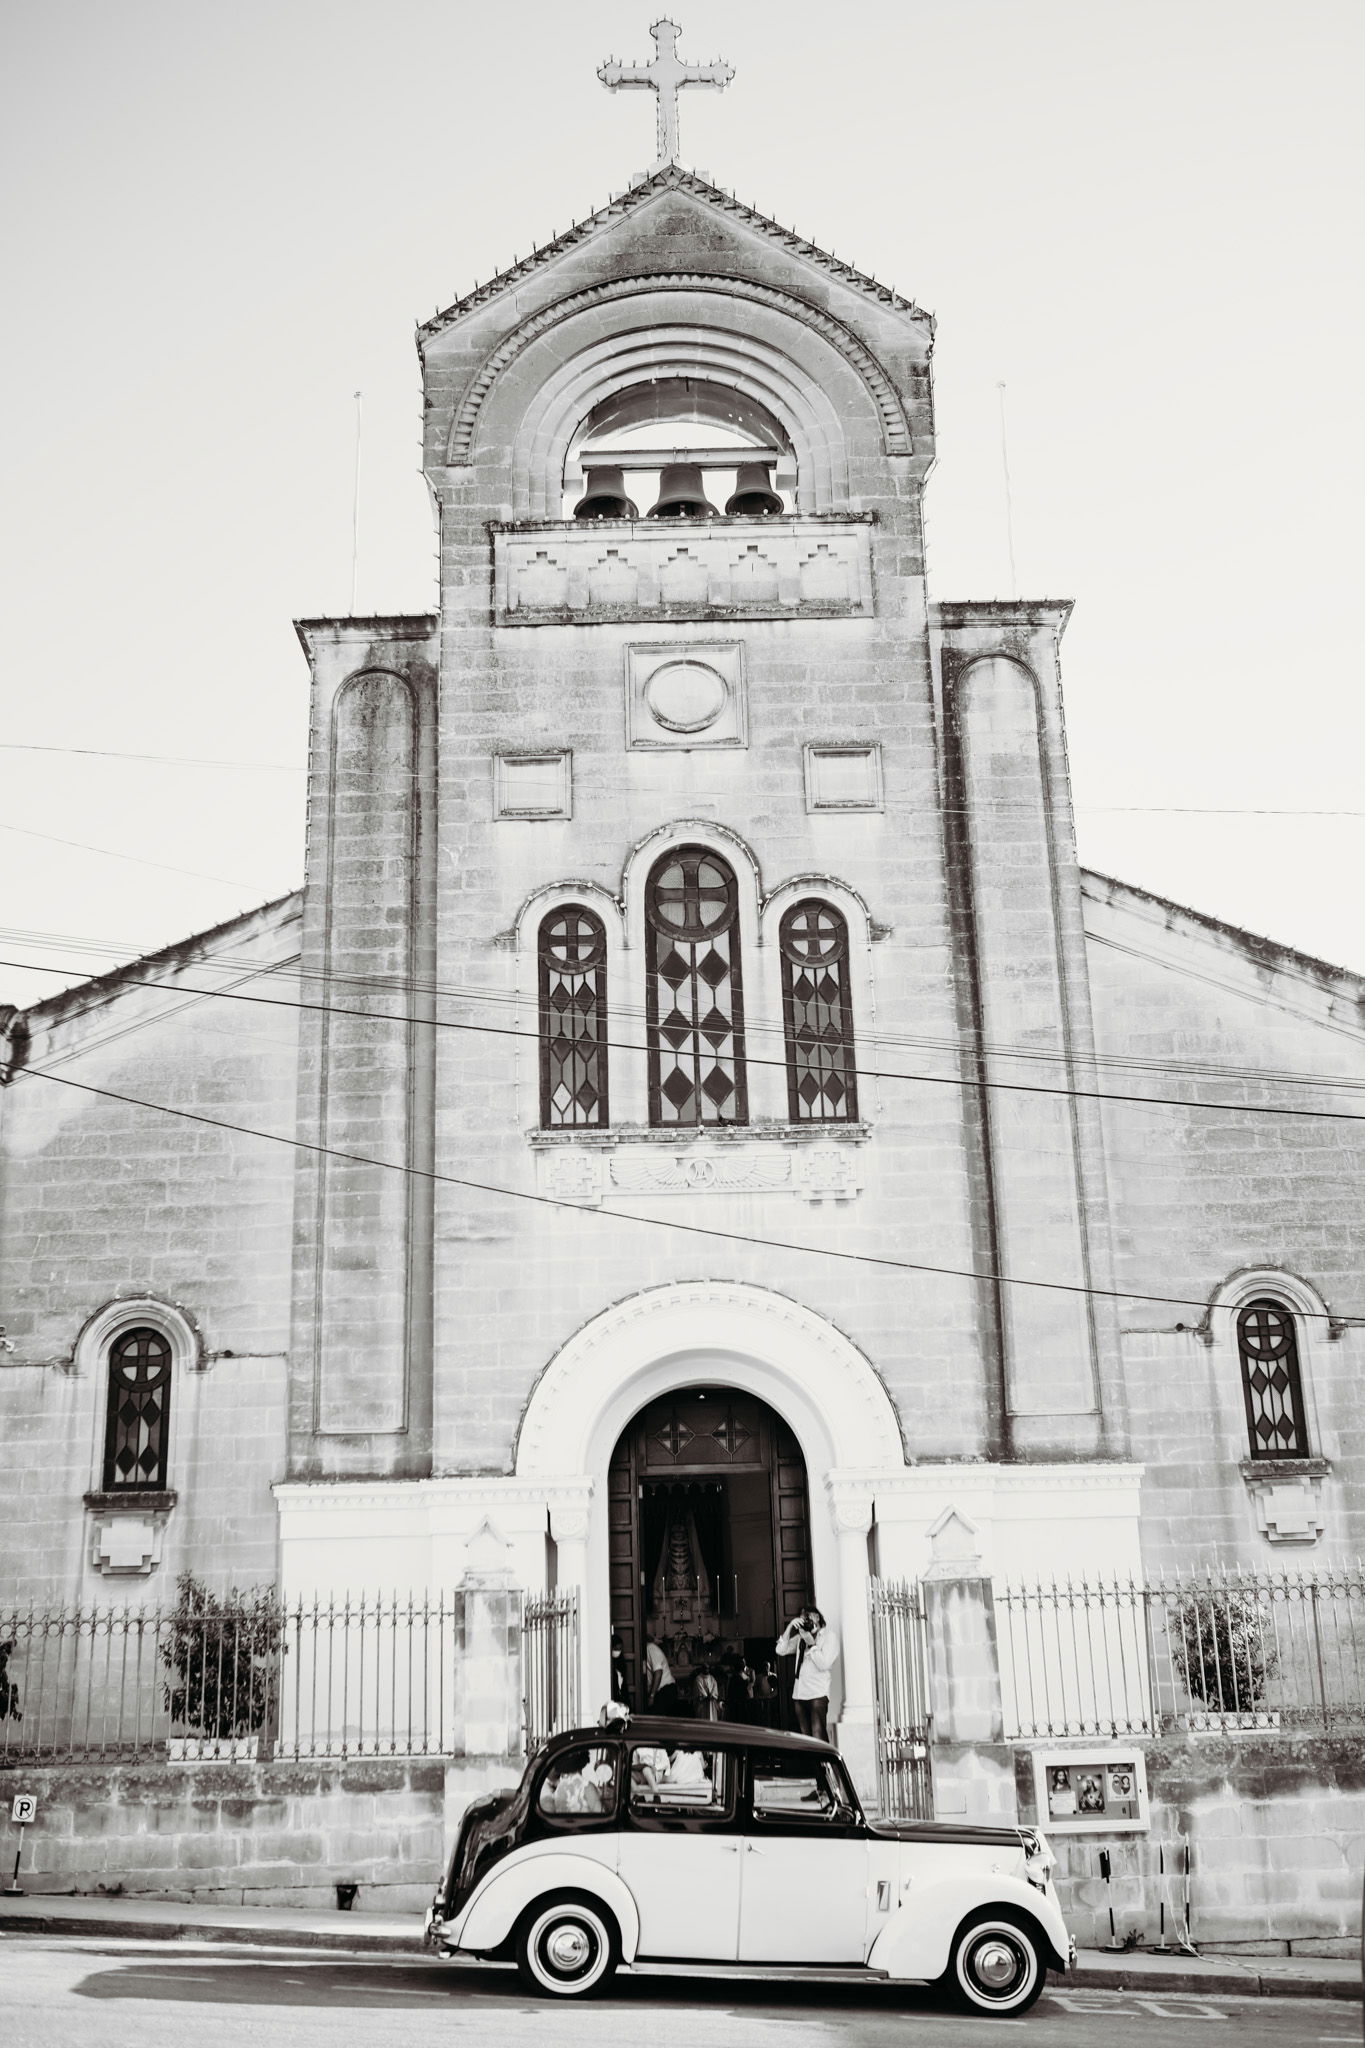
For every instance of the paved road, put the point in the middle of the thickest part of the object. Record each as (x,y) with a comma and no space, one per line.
(125,1994)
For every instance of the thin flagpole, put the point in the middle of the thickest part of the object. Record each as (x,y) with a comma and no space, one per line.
(1009,498)
(355,504)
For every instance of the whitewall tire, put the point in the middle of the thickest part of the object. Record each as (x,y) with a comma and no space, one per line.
(996,1965)
(566,1948)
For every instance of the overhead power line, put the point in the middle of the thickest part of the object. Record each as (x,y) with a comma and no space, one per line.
(615,1215)
(631,788)
(110,853)
(864,1073)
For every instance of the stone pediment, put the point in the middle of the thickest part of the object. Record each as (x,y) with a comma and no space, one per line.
(693,212)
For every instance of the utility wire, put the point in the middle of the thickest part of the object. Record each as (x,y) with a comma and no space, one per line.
(758,1060)
(624,788)
(629,1215)
(884,1040)
(174,760)
(109,853)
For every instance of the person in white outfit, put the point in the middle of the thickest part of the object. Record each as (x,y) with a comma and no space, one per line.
(815,1647)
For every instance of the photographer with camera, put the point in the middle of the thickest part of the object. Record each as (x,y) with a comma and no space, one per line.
(813,1643)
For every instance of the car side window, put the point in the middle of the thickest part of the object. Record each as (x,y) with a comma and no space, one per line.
(687,1780)
(581,1782)
(791,1787)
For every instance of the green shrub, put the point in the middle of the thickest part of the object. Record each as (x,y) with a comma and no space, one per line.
(1219,1646)
(222,1655)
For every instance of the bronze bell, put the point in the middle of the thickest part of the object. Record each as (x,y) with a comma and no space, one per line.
(604,495)
(682,494)
(753,496)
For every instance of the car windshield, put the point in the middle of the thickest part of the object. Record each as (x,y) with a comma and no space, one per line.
(789,1786)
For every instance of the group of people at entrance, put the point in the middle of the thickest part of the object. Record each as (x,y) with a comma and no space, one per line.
(726,1687)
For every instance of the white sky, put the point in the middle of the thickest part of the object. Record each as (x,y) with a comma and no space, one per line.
(222,220)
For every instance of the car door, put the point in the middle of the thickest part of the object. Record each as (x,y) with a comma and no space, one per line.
(679,1850)
(805,1869)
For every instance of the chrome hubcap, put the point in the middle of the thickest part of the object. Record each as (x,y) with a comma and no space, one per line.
(568,1948)
(996,1964)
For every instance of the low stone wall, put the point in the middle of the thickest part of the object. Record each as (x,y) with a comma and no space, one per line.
(1275,1828)
(271,1833)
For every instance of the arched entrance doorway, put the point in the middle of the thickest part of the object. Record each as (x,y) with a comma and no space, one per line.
(709,1542)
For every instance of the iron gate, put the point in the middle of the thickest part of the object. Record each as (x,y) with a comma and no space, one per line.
(900,1685)
(550,1668)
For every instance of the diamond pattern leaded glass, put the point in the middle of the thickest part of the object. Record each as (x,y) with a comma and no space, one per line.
(139,1408)
(573,1020)
(1271,1382)
(822,1080)
(694,998)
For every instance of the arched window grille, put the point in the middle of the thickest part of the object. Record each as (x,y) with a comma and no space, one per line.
(138,1418)
(694,998)
(1272,1385)
(817,1012)
(573,1020)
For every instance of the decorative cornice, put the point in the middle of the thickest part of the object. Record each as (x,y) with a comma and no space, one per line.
(326,1496)
(895,425)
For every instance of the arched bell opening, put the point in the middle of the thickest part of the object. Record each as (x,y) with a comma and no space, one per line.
(680,447)
(709,1547)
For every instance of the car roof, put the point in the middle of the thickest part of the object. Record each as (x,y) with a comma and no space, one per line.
(659,1729)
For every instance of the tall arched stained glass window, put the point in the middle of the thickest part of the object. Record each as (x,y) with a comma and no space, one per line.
(1268,1346)
(573,1020)
(136,1423)
(817,1013)
(694,997)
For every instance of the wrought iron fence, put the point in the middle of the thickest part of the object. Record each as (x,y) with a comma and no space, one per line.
(549,1648)
(1221,1648)
(361,1676)
(901,1692)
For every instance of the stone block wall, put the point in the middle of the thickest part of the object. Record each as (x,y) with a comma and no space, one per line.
(1201,1195)
(233,1834)
(1275,1830)
(103,1200)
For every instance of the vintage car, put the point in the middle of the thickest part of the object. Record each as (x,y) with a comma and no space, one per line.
(689,1846)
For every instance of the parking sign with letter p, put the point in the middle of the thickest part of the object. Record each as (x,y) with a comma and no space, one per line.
(24,1809)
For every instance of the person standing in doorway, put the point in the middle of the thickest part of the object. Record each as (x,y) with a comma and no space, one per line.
(815,1647)
(661,1691)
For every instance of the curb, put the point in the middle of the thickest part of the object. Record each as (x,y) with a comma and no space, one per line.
(1203,1984)
(1086,1977)
(190,1930)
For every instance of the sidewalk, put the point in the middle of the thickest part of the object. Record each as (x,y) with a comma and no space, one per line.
(400,1934)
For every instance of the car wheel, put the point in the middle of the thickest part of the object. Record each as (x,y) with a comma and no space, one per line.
(996,1965)
(566,1949)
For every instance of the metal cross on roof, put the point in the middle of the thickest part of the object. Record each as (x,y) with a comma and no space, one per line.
(666,76)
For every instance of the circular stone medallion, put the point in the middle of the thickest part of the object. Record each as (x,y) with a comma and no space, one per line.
(686,696)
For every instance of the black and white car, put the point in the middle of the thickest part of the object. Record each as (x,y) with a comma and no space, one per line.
(733,1850)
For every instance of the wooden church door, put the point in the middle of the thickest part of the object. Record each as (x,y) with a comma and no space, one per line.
(727,1467)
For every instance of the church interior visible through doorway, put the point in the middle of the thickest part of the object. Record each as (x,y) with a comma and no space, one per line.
(709,1548)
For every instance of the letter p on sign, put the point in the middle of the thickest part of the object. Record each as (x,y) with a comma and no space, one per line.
(24,1809)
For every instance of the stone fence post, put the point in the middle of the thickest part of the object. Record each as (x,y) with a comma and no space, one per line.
(973,1766)
(487,1678)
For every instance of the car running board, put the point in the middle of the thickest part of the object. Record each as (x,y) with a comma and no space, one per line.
(766,1973)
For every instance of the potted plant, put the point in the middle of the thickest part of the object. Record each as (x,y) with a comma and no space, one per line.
(221,1656)
(1222,1649)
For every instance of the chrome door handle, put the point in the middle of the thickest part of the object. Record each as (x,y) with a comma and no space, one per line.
(750,1849)
(730,1848)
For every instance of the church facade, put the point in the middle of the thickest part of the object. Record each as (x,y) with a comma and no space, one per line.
(697,1128)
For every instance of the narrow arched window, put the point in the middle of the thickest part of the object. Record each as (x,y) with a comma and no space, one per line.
(694,998)
(1272,1385)
(573,1020)
(138,1417)
(817,1014)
